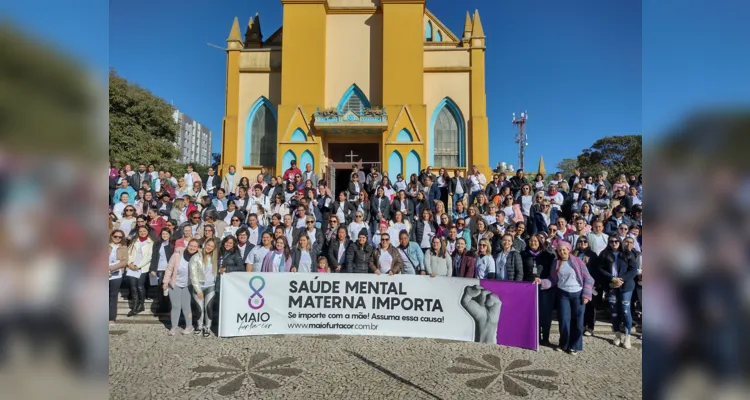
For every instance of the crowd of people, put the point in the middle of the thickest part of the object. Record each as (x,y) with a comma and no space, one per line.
(579,238)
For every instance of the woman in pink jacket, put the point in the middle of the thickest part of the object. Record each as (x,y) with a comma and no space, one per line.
(177,283)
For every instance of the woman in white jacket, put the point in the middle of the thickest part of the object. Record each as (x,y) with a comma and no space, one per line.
(437,261)
(139,262)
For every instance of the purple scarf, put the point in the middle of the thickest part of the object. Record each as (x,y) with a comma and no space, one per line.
(267,265)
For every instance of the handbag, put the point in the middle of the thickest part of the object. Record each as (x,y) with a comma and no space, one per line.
(417,271)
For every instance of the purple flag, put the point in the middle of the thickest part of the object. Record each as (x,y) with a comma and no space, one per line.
(518,325)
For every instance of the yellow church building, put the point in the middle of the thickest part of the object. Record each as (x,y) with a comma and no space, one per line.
(377,83)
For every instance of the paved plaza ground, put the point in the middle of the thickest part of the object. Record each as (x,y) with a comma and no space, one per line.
(145,363)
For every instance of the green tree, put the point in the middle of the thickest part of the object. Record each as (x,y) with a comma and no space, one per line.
(566,166)
(141,128)
(614,154)
(216,158)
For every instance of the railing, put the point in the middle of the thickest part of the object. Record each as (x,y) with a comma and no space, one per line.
(365,116)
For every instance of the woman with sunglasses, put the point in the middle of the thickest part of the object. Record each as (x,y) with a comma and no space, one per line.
(573,291)
(485,266)
(618,269)
(546,216)
(584,252)
(231,230)
(231,212)
(118,259)
(139,262)
(160,255)
(525,200)
(128,220)
(357,225)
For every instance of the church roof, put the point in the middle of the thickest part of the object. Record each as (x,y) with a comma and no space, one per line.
(275,38)
(447,33)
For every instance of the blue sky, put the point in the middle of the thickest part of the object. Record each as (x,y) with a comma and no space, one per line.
(579,67)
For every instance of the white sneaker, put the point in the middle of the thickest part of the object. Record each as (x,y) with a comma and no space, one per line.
(617,338)
(188,330)
(588,332)
(626,343)
(173,331)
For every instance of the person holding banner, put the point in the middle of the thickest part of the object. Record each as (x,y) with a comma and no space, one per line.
(337,249)
(359,255)
(485,268)
(574,289)
(437,261)
(279,259)
(385,259)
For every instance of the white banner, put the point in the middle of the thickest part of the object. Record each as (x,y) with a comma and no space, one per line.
(367,304)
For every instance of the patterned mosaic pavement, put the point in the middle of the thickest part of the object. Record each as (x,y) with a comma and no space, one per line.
(146,363)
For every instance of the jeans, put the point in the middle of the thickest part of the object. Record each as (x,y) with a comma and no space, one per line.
(619,306)
(472,196)
(137,289)
(457,198)
(546,305)
(163,300)
(589,319)
(570,316)
(180,298)
(114,291)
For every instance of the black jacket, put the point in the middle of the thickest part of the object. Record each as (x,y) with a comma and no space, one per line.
(358,258)
(216,183)
(245,256)
(417,231)
(492,189)
(237,213)
(396,206)
(537,267)
(349,210)
(626,269)
(516,183)
(271,192)
(513,266)
(319,242)
(352,191)
(333,253)
(168,251)
(455,181)
(232,261)
(297,254)
(385,208)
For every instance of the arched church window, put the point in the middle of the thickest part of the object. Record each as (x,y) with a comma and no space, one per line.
(263,137)
(446,139)
(428,32)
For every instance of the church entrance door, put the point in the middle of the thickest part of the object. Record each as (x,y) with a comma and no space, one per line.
(342,156)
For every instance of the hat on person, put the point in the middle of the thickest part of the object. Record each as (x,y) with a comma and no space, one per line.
(363,232)
(562,243)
